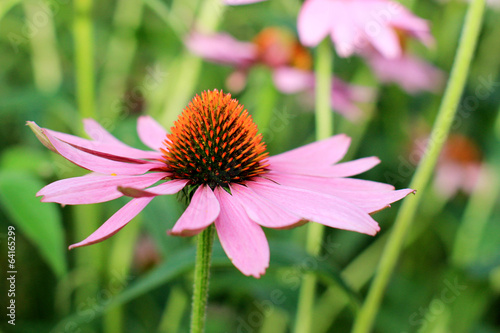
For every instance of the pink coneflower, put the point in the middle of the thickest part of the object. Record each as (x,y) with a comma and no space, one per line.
(354,25)
(215,155)
(290,62)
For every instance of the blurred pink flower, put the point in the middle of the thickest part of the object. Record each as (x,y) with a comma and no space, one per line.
(290,81)
(223,49)
(411,73)
(354,25)
(279,50)
(215,153)
(458,166)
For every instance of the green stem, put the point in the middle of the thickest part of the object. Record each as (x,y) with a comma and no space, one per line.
(122,45)
(84,58)
(44,55)
(324,129)
(201,277)
(447,110)
(323,72)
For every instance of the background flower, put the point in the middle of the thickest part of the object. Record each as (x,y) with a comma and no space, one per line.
(354,25)
(291,64)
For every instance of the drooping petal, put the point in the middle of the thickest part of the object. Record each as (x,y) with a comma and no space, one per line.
(319,153)
(314,22)
(120,219)
(95,163)
(242,239)
(263,211)
(169,187)
(321,208)
(151,133)
(94,188)
(201,212)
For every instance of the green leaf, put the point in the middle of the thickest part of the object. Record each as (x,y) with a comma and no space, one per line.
(40,222)
(27,159)
(283,254)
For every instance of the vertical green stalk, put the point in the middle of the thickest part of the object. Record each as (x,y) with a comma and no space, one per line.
(84,58)
(86,217)
(201,277)
(324,129)
(189,67)
(447,110)
(44,56)
(119,57)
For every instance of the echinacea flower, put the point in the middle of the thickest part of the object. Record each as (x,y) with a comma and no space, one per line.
(290,62)
(215,154)
(356,24)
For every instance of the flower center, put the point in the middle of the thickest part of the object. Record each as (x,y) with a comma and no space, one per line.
(215,142)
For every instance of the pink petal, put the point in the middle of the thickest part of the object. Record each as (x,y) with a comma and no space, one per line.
(263,211)
(314,22)
(98,133)
(290,80)
(368,197)
(117,152)
(242,239)
(95,163)
(317,207)
(151,133)
(319,153)
(411,73)
(222,48)
(106,142)
(352,168)
(201,212)
(348,184)
(345,32)
(386,41)
(93,188)
(120,219)
(169,187)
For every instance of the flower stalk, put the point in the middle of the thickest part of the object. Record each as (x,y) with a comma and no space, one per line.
(441,128)
(201,279)
(324,129)
(82,30)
